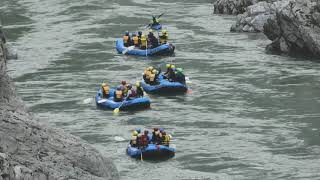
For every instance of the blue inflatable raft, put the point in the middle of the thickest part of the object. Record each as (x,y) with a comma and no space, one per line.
(156,27)
(165,49)
(137,103)
(151,152)
(164,87)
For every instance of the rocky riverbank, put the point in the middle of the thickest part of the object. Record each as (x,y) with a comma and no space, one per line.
(292,25)
(31,151)
(295,28)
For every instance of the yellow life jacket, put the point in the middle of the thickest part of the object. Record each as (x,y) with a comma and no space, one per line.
(163,39)
(152,76)
(125,90)
(148,75)
(118,94)
(166,140)
(135,40)
(125,39)
(105,89)
(134,140)
(143,42)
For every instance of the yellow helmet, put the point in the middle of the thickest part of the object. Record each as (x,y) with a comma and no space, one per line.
(138,84)
(154,71)
(104,84)
(168,65)
(164,31)
(150,30)
(143,36)
(173,66)
(135,133)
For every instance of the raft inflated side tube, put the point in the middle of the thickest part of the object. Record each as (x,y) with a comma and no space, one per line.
(137,103)
(151,152)
(164,87)
(165,49)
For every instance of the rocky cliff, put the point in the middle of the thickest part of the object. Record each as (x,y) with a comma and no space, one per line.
(231,6)
(31,151)
(295,28)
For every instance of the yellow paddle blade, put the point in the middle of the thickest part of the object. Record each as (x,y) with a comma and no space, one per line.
(116,110)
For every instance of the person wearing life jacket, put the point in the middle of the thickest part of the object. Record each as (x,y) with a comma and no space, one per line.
(179,76)
(131,92)
(134,137)
(118,94)
(153,40)
(135,40)
(147,76)
(139,90)
(171,75)
(139,36)
(165,139)
(143,42)
(144,139)
(156,136)
(124,87)
(155,21)
(168,66)
(105,90)
(126,39)
(164,37)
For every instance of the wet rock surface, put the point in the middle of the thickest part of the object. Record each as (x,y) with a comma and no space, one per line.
(254,18)
(232,6)
(295,28)
(31,151)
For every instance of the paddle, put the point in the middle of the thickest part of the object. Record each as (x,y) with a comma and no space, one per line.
(116,110)
(141,158)
(127,49)
(160,15)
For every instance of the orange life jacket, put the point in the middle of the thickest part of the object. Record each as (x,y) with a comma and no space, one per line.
(135,40)
(105,89)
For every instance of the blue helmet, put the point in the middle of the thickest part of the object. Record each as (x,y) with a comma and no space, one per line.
(139,33)
(127,33)
(133,34)
(119,88)
(161,129)
(138,130)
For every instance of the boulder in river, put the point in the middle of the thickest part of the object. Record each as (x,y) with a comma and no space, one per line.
(295,28)
(254,18)
(32,151)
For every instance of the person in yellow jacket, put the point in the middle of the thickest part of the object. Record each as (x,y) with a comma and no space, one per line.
(133,141)
(105,90)
(143,42)
(135,40)
(164,37)
(165,138)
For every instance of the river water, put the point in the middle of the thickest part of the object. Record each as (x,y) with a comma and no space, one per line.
(250,115)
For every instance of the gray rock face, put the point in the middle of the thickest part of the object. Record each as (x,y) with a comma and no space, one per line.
(30,151)
(231,6)
(254,18)
(296,28)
